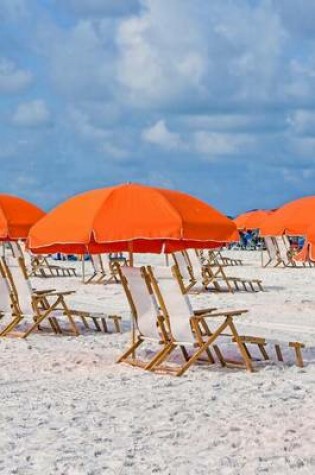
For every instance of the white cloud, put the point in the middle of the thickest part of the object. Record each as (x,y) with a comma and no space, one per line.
(215,144)
(103,139)
(32,114)
(159,134)
(12,79)
(194,53)
(302,121)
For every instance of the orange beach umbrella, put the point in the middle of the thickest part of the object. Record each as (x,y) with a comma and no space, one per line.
(251,219)
(130,217)
(17,216)
(293,218)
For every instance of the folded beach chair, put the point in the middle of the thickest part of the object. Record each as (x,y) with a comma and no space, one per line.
(217,278)
(185,329)
(103,270)
(147,323)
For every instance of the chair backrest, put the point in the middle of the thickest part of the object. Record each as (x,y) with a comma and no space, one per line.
(271,248)
(283,253)
(97,263)
(182,264)
(5,300)
(175,306)
(106,263)
(16,249)
(143,304)
(286,242)
(194,259)
(20,283)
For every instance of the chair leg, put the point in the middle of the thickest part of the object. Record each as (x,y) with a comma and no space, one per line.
(298,353)
(240,344)
(263,351)
(104,324)
(96,324)
(160,357)
(202,349)
(116,319)
(85,322)
(279,353)
(130,351)
(14,323)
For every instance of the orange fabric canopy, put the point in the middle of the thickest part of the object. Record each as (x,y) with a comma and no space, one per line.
(251,219)
(293,218)
(16,217)
(130,217)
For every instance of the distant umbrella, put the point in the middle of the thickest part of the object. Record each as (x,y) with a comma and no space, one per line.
(17,216)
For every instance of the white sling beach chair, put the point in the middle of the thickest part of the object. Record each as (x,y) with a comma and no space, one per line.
(271,251)
(147,326)
(103,271)
(283,253)
(31,305)
(5,300)
(184,324)
(188,279)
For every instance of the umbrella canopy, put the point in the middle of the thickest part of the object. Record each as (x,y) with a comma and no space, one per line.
(17,216)
(293,218)
(130,217)
(251,219)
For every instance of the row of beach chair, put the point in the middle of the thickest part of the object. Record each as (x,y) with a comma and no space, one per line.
(279,253)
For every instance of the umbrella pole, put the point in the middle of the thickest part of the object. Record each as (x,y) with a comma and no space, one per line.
(130,254)
(83,267)
(167,261)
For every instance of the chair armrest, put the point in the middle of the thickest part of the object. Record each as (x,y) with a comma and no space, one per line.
(202,311)
(43,291)
(222,313)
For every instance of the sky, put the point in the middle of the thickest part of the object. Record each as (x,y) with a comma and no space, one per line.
(214,98)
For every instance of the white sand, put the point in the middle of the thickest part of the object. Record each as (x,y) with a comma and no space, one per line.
(67,408)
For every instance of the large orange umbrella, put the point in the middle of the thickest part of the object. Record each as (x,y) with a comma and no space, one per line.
(251,219)
(16,217)
(293,218)
(130,217)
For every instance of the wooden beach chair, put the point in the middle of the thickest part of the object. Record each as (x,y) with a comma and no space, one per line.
(216,258)
(184,271)
(185,329)
(272,251)
(147,323)
(170,300)
(217,278)
(39,265)
(104,271)
(23,293)
(35,305)
(284,252)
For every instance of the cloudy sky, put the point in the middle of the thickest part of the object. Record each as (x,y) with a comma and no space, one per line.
(216,98)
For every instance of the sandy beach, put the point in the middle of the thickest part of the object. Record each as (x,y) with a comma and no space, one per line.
(68,408)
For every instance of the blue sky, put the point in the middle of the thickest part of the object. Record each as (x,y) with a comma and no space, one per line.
(216,98)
